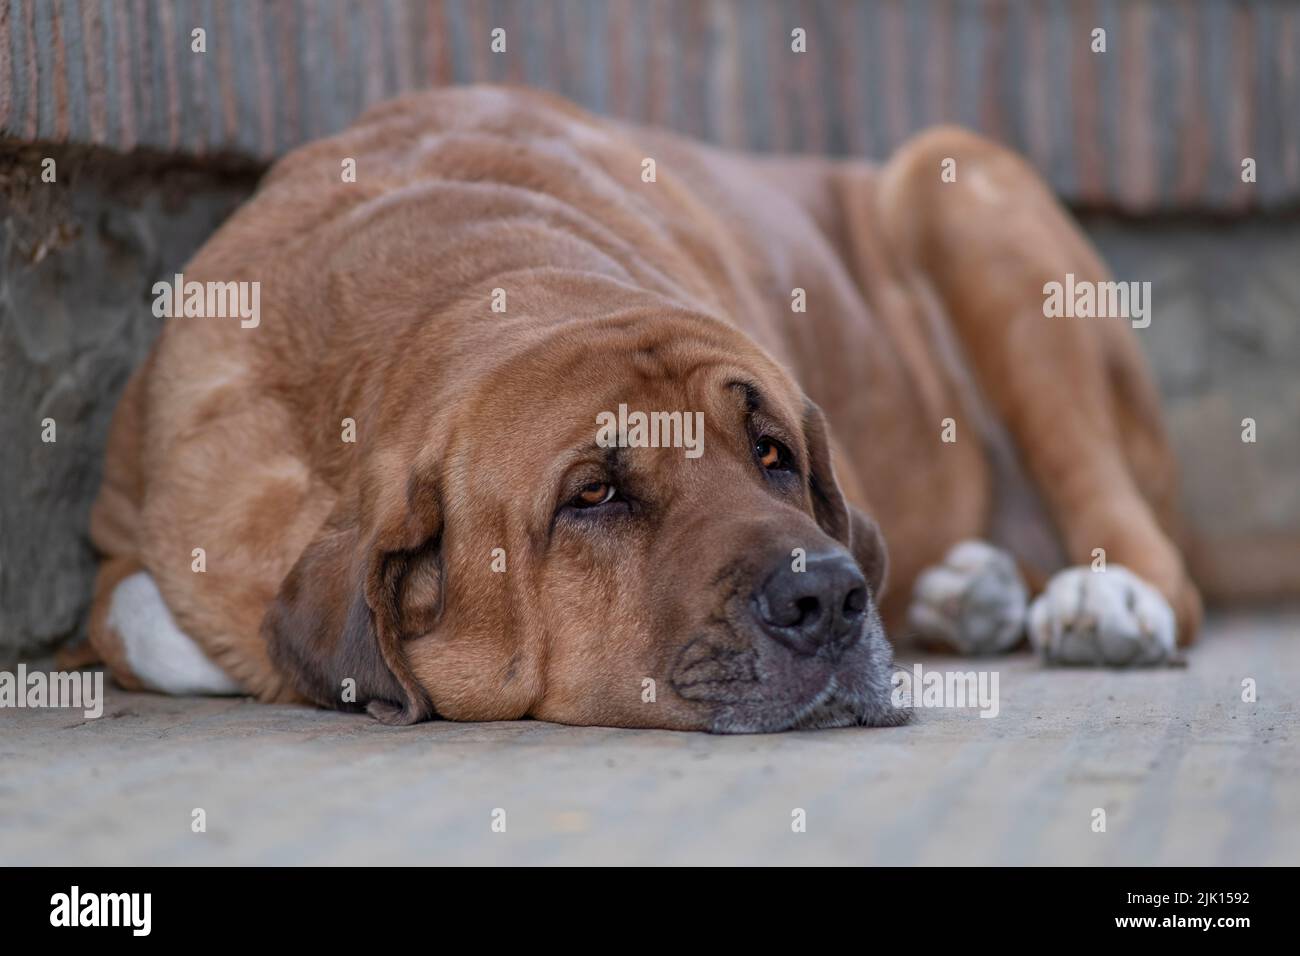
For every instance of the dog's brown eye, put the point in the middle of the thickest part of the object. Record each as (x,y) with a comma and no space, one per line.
(595,493)
(770,453)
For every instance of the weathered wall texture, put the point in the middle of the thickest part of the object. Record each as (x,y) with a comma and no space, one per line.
(77,259)
(1161,119)
(1224,342)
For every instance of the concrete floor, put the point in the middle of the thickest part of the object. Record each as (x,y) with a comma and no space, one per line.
(1187,773)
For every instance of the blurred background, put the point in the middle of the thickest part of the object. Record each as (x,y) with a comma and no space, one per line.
(155,141)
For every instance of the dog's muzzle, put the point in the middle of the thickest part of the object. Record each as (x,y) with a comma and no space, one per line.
(802,647)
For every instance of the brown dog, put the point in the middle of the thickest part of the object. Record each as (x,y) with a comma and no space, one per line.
(389,489)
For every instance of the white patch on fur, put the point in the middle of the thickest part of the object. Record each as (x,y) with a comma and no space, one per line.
(974,602)
(161,655)
(1110,618)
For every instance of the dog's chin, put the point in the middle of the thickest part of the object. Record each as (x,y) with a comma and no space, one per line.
(836,705)
(765,689)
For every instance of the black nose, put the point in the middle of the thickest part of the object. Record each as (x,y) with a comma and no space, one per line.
(810,608)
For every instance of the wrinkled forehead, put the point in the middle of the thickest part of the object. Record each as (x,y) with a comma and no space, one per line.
(552,391)
(673,408)
(655,404)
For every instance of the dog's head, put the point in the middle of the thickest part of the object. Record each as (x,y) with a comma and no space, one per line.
(516,545)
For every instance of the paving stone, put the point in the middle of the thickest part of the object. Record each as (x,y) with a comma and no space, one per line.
(1187,773)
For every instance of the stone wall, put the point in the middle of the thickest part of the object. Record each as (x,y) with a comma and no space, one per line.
(1224,342)
(77,259)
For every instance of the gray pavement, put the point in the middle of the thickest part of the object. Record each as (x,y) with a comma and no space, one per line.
(1186,771)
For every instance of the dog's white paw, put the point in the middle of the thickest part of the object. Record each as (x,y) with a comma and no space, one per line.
(974,602)
(1111,618)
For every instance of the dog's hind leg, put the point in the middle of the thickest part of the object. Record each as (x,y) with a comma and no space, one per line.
(130,629)
(988,244)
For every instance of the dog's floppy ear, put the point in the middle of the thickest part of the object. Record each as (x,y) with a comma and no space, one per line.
(337,624)
(868,547)
(843,522)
